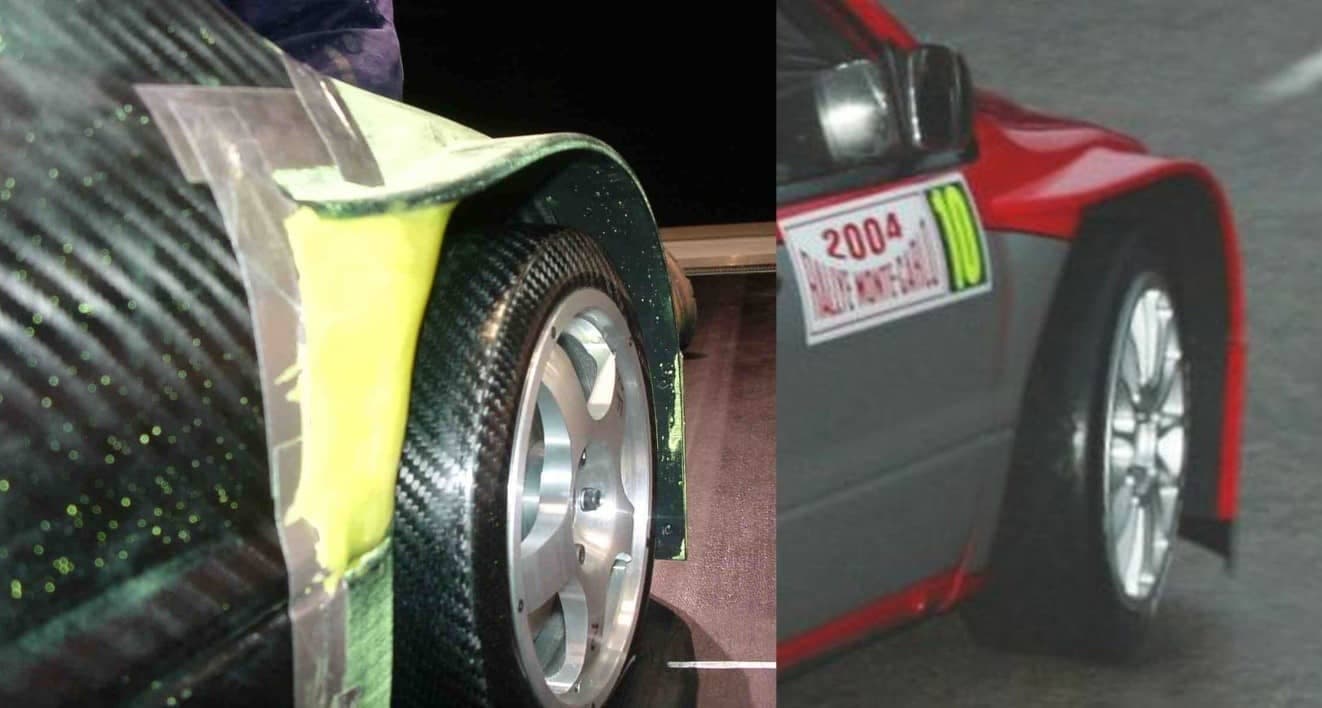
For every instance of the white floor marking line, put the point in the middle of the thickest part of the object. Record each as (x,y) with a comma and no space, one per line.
(1296,80)
(721,664)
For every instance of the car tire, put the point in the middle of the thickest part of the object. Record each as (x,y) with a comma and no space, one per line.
(1056,583)
(651,681)
(501,311)
(683,301)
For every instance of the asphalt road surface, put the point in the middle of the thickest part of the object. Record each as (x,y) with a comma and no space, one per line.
(1237,86)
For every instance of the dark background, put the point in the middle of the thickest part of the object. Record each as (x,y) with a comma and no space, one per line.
(674,91)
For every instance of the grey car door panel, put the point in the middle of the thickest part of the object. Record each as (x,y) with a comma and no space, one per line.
(893,442)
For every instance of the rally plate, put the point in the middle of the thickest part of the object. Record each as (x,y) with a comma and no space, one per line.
(893,254)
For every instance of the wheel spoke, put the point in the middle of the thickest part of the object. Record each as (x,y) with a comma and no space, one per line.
(1153,331)
(604,545)
(1122,506)
(1134,543)
(1170,451)
(603,397)
(532,478)
(1130,374)
(1123,418)
(623,508)
(1138,334)
(548,557)
(608,435)
(1170,386)
(1164,502)
(594,575)
(1148,568)
(1122,454)
(1126,518)
(607,531)
(560,382)
(1165,322)
(615,591)
(1171,401)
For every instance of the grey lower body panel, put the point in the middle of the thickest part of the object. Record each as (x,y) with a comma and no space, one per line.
(845,551)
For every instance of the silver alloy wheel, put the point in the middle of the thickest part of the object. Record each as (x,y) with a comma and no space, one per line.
(580,502)
(1146,439)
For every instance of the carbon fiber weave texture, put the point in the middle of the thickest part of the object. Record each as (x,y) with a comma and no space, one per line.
(452,607)
(130,419)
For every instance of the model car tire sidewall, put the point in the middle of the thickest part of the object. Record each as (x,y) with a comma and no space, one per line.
(494,294)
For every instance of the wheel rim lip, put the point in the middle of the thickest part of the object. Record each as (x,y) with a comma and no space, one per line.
(602,668)
(1136,592)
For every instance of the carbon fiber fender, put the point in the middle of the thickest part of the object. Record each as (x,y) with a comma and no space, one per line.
(337,207)
(559,178)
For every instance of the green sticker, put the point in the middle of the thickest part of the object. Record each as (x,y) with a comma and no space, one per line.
(966,254)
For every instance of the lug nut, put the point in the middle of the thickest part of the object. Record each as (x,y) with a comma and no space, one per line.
(589,498)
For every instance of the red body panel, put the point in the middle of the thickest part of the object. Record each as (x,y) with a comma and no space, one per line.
(1038,174)
(931,596)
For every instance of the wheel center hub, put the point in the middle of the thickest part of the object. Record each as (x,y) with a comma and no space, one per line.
(1143,471)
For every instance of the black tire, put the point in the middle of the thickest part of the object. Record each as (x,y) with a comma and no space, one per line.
(454,637)
(684,303)
(663,638)
(1050,588)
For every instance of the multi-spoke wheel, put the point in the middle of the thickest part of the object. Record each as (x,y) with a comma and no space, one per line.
(523,516)
(1145,438)
(1092,503)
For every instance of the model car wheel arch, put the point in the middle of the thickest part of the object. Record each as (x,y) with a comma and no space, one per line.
(335,203)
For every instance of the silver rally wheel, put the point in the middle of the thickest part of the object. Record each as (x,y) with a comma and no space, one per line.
(1146,439)
(1103,446)
(580,502)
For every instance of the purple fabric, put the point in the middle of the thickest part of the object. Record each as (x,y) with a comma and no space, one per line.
(351,40)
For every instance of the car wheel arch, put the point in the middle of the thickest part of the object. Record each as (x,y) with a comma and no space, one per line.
(1190,209)
(596,193)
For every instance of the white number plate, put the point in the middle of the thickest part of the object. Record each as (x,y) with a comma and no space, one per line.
(888,255)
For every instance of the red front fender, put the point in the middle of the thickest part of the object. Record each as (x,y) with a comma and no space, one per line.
(1041,174)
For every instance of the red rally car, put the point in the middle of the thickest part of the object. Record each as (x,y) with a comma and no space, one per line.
(1010,352)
